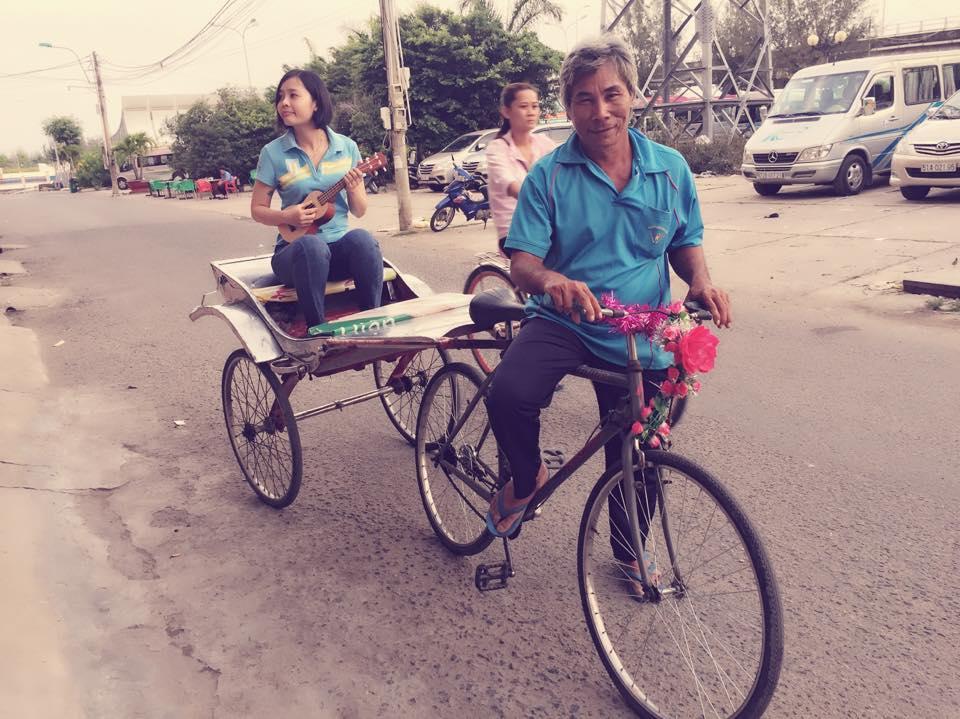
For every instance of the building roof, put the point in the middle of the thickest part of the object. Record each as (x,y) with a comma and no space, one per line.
(149,114)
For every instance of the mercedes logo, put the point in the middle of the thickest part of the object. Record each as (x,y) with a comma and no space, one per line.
(773,157)
(943,145)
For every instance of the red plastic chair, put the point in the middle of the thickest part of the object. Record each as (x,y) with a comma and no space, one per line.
(230,185)
(204,186)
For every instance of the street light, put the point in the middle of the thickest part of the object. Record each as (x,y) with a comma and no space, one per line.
(243,42)
(101,103)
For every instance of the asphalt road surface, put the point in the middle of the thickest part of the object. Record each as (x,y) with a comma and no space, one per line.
(170,591)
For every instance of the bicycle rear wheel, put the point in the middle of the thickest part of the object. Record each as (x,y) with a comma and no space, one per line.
(712,644)
(456,475)
(403,405)
(489,277)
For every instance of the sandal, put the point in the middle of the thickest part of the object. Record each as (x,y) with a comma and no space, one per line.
(520,509)
(634,575)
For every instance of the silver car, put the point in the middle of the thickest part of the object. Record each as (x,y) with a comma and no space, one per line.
(476,162)
(436,171)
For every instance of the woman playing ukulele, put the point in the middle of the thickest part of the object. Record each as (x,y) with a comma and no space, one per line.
(307,158)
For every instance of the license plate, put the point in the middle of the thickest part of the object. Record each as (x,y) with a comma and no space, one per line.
(938,167)
(771,175)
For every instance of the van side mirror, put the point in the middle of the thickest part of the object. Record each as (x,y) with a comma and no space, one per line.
(869,106)
(481,146)
(932,110)
(763,112)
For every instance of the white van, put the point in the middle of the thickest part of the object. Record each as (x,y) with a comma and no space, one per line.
(838,124)
(154,165)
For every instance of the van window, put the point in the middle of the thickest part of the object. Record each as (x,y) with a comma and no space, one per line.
(882,91)
(921,85)
(951,79)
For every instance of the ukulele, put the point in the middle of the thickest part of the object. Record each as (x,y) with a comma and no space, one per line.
(323,200)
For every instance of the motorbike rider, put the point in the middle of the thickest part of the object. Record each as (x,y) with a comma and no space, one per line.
(511,155)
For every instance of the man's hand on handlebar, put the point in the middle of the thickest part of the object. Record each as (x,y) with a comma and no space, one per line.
(713,299)
(572,298)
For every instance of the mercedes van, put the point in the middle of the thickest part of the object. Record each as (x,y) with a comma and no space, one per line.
(838,124)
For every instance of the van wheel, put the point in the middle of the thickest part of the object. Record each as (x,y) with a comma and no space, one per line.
(852,177)
(122,183)
(914,193)
(767,189)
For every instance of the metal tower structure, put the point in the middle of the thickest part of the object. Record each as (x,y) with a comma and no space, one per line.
(710,90)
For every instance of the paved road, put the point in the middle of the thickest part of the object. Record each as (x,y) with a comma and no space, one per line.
(166,590)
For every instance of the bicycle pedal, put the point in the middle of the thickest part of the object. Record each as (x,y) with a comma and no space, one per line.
(492,576)
(554,459)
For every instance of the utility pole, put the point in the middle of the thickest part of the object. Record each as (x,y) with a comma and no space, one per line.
(107,147)
(398,112)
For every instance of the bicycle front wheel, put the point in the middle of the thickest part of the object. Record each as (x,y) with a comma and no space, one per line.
(457,473)
(711,644)
(489,277)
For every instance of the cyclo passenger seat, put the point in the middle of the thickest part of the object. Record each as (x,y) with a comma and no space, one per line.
(492,307)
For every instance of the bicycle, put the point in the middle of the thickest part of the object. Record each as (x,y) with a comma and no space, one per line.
(696,629)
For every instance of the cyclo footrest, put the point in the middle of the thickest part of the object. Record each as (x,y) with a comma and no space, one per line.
(493,576)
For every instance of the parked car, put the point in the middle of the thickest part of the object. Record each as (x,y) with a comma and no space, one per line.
(838,124)
(476,162)
(929,155)
(437,172)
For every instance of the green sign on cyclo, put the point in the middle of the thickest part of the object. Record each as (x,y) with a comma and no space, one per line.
(343,328)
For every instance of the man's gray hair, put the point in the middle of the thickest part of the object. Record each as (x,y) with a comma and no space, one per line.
(590,55)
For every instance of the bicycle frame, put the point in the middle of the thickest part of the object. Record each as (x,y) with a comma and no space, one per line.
(617,422)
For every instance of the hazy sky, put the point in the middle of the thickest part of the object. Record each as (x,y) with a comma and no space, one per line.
(133,33)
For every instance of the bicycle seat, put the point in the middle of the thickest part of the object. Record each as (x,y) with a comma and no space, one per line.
(492,307)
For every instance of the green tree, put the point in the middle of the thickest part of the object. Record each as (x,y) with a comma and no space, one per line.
(641,29)
(524,14)
(89,170)
(228,132)
(66,135)
(130,148)
(458,65)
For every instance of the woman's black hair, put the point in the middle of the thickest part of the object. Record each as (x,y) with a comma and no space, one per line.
(318,91)
(507,96)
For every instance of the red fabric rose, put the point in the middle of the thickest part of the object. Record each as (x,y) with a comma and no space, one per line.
(698,350)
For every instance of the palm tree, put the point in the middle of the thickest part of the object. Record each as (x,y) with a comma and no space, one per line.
(131,148)
(524,15)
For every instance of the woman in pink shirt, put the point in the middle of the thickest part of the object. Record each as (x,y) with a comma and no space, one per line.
(511,155)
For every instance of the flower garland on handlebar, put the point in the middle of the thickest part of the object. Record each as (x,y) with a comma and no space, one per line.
(694,349)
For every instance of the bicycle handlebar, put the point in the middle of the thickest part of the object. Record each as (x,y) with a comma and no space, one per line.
(696,310)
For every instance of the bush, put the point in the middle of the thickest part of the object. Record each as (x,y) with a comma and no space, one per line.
(89,171)
(722,156)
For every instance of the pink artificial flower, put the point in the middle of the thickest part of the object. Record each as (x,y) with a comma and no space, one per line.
(673,374)
(636,428)
(675,307)
(671,333)
(695,385)
(664,430)
(646,412)
(680,390)
(667,387)
(698,350)
(654,441)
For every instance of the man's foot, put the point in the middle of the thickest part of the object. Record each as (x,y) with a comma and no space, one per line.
(506,511)
(630,572)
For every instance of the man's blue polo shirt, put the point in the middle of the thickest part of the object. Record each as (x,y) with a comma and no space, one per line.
(571,216)
(287,168)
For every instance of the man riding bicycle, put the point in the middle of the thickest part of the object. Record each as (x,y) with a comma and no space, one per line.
(608,211)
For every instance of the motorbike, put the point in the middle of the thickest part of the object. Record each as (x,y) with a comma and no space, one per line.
(467,193)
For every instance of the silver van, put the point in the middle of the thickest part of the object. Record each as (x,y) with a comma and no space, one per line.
(838,124)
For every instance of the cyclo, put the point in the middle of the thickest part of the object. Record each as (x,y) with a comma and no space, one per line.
(700,633)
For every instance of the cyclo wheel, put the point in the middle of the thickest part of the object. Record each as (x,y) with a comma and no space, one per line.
(262,429)
(402,407)
(712,645)
(442,218)
(456,476)
(488,277)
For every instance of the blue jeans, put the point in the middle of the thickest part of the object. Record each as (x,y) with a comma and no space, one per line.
(309,262)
